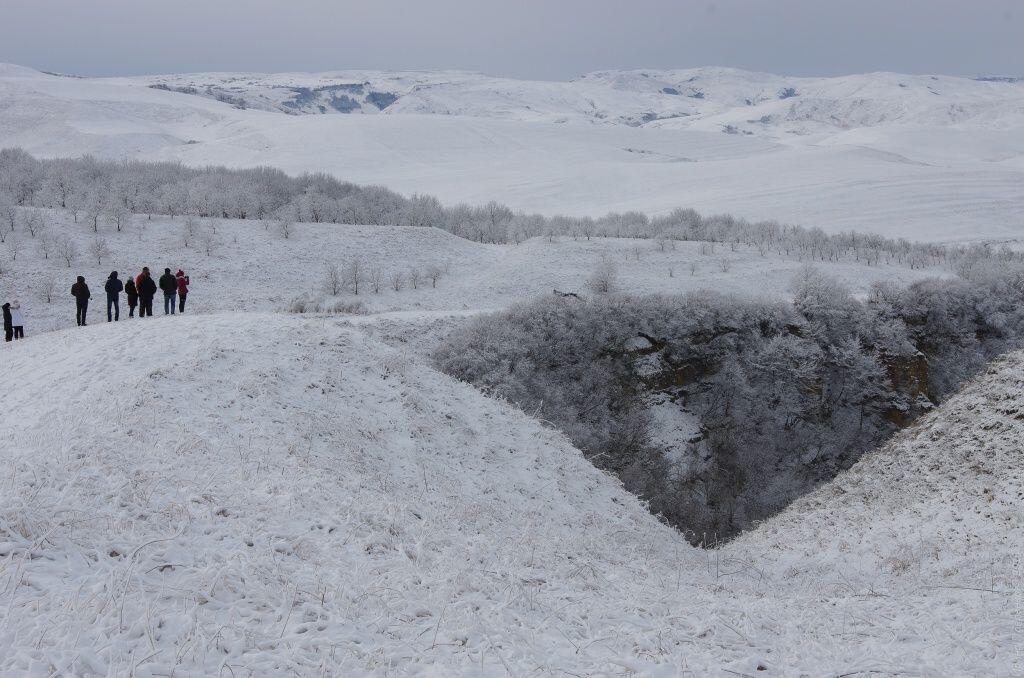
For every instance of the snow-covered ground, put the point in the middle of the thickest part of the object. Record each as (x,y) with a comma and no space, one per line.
(263,494)
(243,491)
(254,268)
(927,158)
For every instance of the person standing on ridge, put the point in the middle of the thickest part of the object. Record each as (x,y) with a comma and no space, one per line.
(147,290)
(183,283)
(169,284)
(80,291)
(113,289)
(132,295)
(17,320)
(8,325)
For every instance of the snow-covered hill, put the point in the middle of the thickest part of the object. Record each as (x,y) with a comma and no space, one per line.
(263,494)
(267,493)
(707,98)
(935,158)
(943,500)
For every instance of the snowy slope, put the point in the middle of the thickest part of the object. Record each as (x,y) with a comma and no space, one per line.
(261,494)
(928,158)
(940,504)
(255,269)
(265,493)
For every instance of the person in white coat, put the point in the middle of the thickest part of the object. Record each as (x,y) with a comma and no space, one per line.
(17,320)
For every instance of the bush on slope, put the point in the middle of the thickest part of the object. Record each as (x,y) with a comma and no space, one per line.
(787,395)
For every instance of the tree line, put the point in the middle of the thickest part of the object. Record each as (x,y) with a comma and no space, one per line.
(112,190)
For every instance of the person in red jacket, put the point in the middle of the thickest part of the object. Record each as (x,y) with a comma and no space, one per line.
(183,283)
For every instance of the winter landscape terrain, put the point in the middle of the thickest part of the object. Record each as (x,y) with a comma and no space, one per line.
(930,158)
(433,439)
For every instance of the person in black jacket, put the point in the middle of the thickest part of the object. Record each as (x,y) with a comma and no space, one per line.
(8,323)
(113,289)
(147,289)
(80,291)
(132,295)
(169,284)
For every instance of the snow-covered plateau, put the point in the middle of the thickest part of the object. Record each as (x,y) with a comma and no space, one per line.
(926,157)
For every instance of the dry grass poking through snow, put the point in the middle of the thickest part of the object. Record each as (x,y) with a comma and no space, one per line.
(258,494)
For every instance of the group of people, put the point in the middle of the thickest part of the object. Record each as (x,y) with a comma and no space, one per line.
(139,291)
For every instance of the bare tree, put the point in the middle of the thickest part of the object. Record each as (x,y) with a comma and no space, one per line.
(67,250)
(333,282)
(14,246)
(46,245)
(8,215)
(397,281)
(414,278)
(120,215)
(376,279)
(725,264)
(188,231)
(99,249)
(434,273)
(286,228)
(74,205)
(209,242)
(34,223)
(48,289)
(93,212)
(354,275)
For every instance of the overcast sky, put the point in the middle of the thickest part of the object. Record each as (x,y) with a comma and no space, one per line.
(547,39)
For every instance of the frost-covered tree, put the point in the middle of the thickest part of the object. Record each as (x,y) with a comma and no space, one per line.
(333,281)
(99,249)
(353,275)
(435,273)
(376,278)
(14,246)
(66,249)
(397,280)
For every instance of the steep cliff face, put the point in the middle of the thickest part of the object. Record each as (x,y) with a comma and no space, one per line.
(909,378)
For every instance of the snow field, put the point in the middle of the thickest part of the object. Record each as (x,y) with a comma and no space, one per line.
(254,268)
(263,494)
(935,159)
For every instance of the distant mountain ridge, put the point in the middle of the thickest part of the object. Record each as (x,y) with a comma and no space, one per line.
(731,100)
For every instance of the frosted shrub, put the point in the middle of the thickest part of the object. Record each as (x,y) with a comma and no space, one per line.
(604,278)
(308,303)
